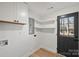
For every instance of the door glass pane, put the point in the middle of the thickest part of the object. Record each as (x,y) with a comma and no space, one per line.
(61,26)
(65,26)
(71,26)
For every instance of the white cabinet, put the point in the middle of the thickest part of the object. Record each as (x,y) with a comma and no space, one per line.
(12,11)
(7,11)
(22,12)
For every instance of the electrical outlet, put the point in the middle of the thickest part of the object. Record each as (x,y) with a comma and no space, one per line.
(3,42)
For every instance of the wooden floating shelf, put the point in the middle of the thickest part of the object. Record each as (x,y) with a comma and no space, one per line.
(4,21)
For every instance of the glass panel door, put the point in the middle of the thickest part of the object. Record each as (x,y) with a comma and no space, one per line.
(71,26)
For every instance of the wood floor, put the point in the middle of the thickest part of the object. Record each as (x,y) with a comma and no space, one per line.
(45,53)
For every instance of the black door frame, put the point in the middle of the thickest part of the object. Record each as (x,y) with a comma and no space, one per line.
(59,37)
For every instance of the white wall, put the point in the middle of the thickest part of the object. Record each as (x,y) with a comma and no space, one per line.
(20,43)
(49,40)
(36,18)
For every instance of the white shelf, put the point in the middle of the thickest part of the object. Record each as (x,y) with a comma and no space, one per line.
(46,22)
(44,27)
(45,30)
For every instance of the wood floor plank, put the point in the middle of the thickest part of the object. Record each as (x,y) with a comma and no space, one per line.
(45,53)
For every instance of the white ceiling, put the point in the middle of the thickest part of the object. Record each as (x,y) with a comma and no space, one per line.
(44,8)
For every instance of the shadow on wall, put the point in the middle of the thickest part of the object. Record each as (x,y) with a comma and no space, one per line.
(5,26)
